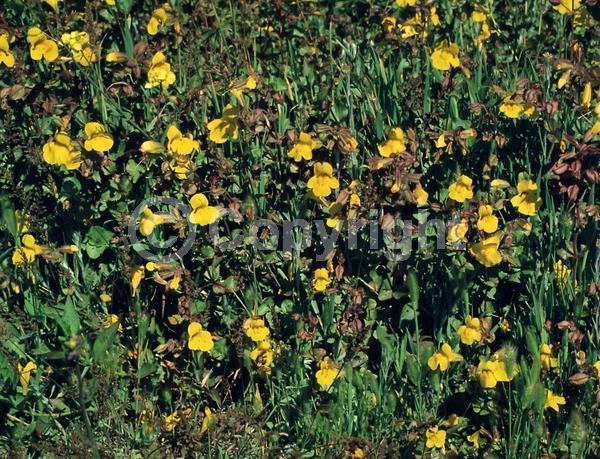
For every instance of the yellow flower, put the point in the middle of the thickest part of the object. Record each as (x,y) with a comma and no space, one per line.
(597,367)
(453,420)
(137,274)
(105,298)
(160,72)
(255,329)
(199,339)
(207,420)
(457,233)
(403,3)
(513,109)
(40,46)
(420,195)
(149,220)
(435,437)
(202,214)
(116,57)
(470,332)
(6,57)
(462,189)
(433,17)
(110,320)
(53,4)
(110,2)
(443,358)
(395,188)
(546,359)
(78,42)
(474,438)
(61,151)
(504,325)
(174,419)
(158,19)
(226,127)
(25,375)
(389,23)
(152,147)
(486,252)
(354,200)
(478,16)
(328,372)
(27,252)
(180,144)
(323,181)
(182,166)
(358,453)
(487,221)
(441,141)
(394,144)
(561,273)
(492,372)
(445,57)
(586,97)
(321,280)
(526,201)
(237,88)
(499,183)
(553,400)
(97,138)
(567,6)
(303,148)
(262,356)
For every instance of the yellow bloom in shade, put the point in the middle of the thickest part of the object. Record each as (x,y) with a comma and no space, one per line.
(561,273)
(328,372)
(97,138)
(6,57)
(567,6)
(180,144)
(435,438)
(462,189)
(453,420)
(202,214)
(457,233)
(149,220)
(354,200)
(177,417)
(358,453)
(474,438)
(321,280)
(586,97)
(110,2)
(78,42)
(486,252)
(110,320)
(445,57)
(105,298)
(40,46)
(137,274)
(53,4)
(403,3)
(323,181)
(182,166)
(27,252)
(395,188)
(199,339)
(504,325)
(116,57)
(513,109)
(262,356)
(61,151)
(151,147)
(597,367)
(441,141)
(553,400)
(442,358)
(303,148)
(470,332)
(389,23)
(492,372)
(207,420)
(394,144)
(527,201)
(546,359)
(420,195)
(25,375)
(478,16)
(226,127)
(160,73)
(487,221)
(256,329)
(158,19)
(499,183)
(237,88)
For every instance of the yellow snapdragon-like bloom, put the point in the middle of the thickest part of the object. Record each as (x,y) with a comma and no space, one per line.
(487,221)
(198,338)
(527,200)
(256,329)
(159,19)
(394,144)
(40,46)
(328,372)
(487,251)
(202,214)
(435,438)
(303,149)
(262,356)
(553,401)
(180,144)
(546,359)
(61,151)
(493,371)
(445,57)
(25,375)
(322,182)
(462,189)
(513,109)
(443,357)
(457,233)
(160,73)
(561,273)
(321,280)
(97,138)
(27,252)
(6,57)
(420,195)
(79,44)
(567,6)
(470,332)
(226,127)
(149,220)
(238,88)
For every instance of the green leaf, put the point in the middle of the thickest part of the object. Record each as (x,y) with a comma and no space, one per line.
(97,241)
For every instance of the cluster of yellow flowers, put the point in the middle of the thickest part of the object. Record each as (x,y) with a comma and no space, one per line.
(262,355)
